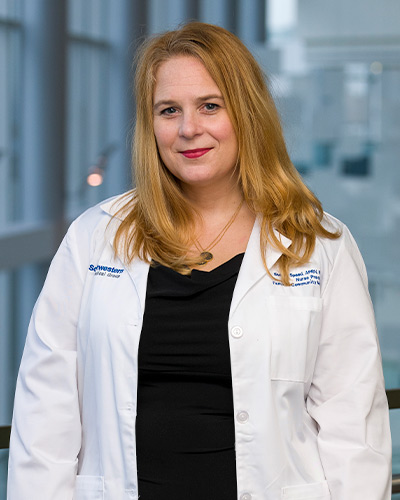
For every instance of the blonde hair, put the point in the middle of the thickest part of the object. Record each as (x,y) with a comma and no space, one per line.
(158,221)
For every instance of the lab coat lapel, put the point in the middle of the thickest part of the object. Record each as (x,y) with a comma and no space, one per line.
(137,269)
(252,268)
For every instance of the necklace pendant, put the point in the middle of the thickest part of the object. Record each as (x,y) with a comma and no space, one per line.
(205,257)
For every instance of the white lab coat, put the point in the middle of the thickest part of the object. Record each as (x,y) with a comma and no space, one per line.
(311,415)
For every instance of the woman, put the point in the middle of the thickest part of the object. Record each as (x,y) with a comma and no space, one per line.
(217,302)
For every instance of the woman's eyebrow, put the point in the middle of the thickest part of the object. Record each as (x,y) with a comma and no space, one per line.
(210,96)
(171,102)
(164,103)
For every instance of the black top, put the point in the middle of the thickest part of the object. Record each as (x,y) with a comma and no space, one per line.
(185,427)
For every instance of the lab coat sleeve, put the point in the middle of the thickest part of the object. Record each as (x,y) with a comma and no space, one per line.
(46,431)
(347,396)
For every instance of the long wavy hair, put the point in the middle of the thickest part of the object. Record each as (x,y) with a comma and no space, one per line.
(157,220)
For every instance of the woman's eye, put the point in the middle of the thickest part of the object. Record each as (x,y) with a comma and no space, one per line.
(168,111)
(211,106)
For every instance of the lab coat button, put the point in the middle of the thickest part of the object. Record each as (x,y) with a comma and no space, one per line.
(245,496)
(243,417)
(236,332)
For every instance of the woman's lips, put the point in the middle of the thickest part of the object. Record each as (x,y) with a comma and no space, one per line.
(195,153)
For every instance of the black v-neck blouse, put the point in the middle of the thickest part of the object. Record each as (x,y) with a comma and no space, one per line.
(185,427)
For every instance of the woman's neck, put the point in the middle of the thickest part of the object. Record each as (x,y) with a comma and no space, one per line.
(212,202)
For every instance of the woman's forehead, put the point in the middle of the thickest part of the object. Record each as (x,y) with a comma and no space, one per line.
(183,75)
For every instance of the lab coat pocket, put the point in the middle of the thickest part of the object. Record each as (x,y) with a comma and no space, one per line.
(89,488)
(294,329)
(313,491)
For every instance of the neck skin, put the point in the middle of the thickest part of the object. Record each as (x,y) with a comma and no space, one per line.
(214,201)
(215,204)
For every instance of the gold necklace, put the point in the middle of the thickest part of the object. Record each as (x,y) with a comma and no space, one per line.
(206,254)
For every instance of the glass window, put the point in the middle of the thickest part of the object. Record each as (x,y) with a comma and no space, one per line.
(88,101)
(355,100)
(10,129)
(89,18)
(281,19)
(340,107)
(10,9)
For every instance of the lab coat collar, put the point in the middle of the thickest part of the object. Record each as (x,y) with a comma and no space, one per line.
(251,271)
(112,205)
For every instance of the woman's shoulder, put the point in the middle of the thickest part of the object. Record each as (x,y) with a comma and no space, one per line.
(344,236)
(342,249)
(98,223)
(114,206)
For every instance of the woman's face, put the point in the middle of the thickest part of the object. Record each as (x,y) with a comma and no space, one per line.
(194,133)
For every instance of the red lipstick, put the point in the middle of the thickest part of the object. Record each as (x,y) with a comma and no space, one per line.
(195,153)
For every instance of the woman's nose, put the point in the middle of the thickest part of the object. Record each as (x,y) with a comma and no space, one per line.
(190,125)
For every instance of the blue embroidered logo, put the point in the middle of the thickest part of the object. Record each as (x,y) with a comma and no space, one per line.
(109,272)
(301,278)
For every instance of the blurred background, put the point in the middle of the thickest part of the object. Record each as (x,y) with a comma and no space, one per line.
(67,112)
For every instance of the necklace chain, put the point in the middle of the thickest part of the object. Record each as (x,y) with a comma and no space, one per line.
(205,253)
